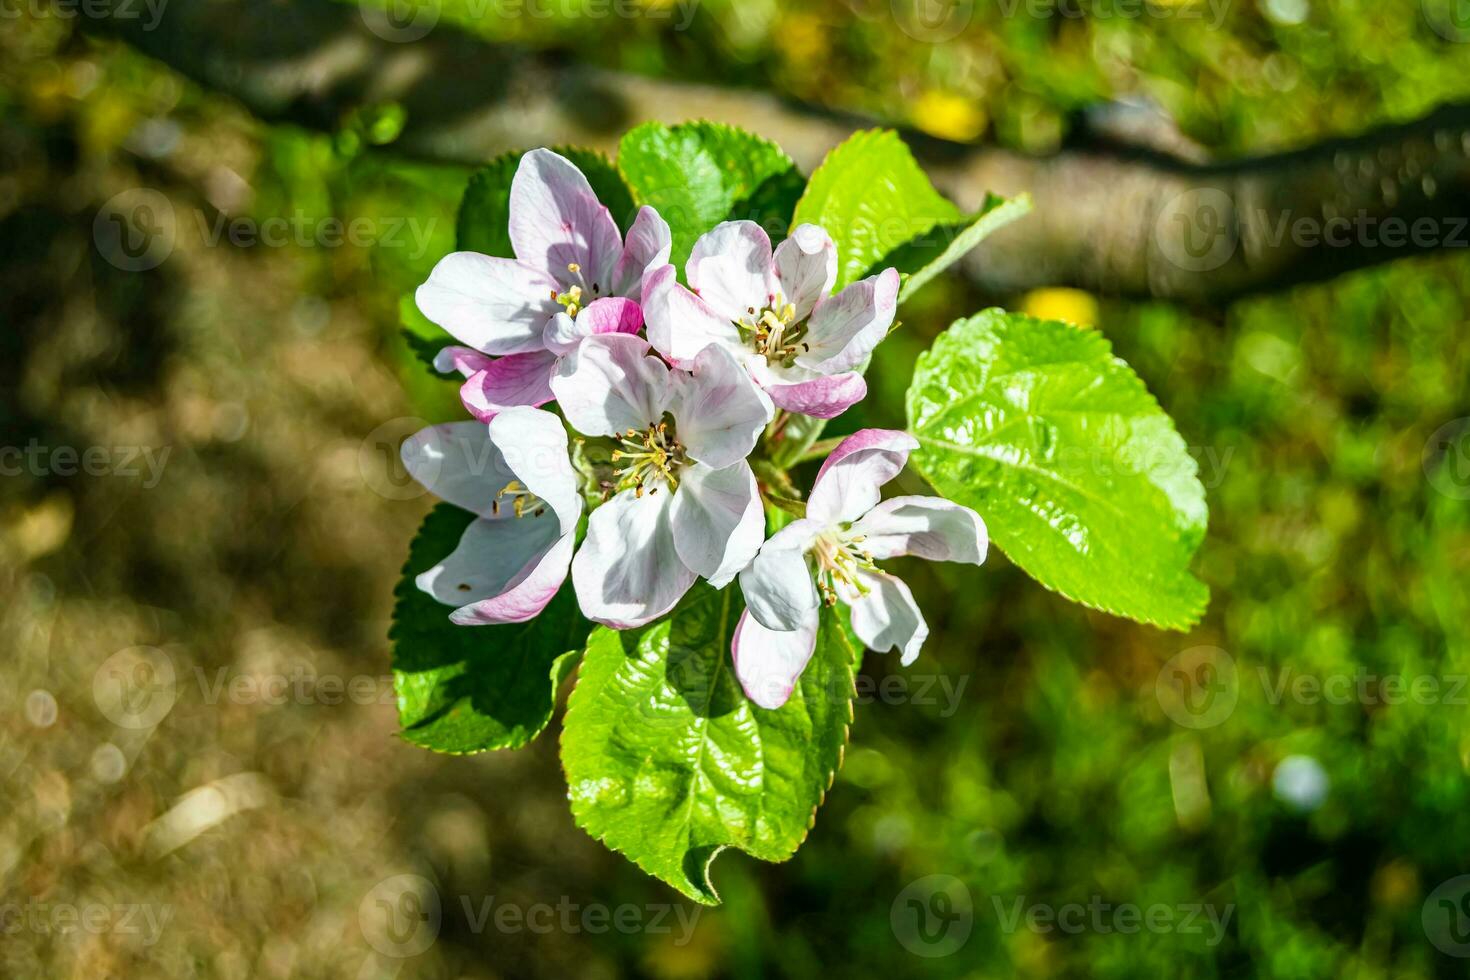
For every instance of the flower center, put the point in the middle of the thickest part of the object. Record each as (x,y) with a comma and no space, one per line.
(522,500)
(649,456)
(839,557)
(574,298)
(774,333)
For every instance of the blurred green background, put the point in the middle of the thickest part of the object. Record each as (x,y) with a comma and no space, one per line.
(1028,758)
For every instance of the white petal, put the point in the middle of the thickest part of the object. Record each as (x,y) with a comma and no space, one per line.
(731,268)
(627,572)
(847,485)
(648,245)
(465,360)
(533,443)
(806,266)
(556,221)
(527,594)
(457,463)
(768,662)
(680,324)
(495,305)
(492,557)
(718,520)
(926,527)
(887,618)
(844,329)
(778,585)
(612,383)
(720,411)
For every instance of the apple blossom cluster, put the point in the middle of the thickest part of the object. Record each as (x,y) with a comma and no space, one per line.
(677,385)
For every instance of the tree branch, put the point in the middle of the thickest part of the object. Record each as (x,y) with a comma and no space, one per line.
(1111,220)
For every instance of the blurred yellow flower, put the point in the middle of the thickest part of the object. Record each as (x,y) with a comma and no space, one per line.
(801,38)
(949,115)
(1067,305)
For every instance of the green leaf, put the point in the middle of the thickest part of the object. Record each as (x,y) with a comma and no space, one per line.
(698,174)
(467,689)
(669,763)
(1079,474)
(924,257)
(872,197)
(484,211)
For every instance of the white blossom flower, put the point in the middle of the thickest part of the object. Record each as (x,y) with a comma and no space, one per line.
(773,312)
(685,502)
(516,477)
(569,255)
(829,555)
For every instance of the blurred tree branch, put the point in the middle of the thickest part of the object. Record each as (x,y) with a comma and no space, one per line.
(1112,219)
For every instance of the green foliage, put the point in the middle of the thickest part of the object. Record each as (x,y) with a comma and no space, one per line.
(484,212)
(701,173)
(1080,476)
(872,197)
(465,689)
(669,763)
(925,257)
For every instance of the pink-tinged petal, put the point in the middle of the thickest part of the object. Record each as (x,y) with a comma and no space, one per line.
(847,485)
(926,527)
(718,521)
(495,305)
(612,383)
(821,398)
(458,464)
(627,572)
(844,329)
(492,558)
(806,267)
(720,411)
(611,314)
(534,445)
(680,324)
(731,268)
(464,360)
(887,618)
(557,222)
(647,248)
(768,662)
(517,379)
(526,597)
(778,586)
